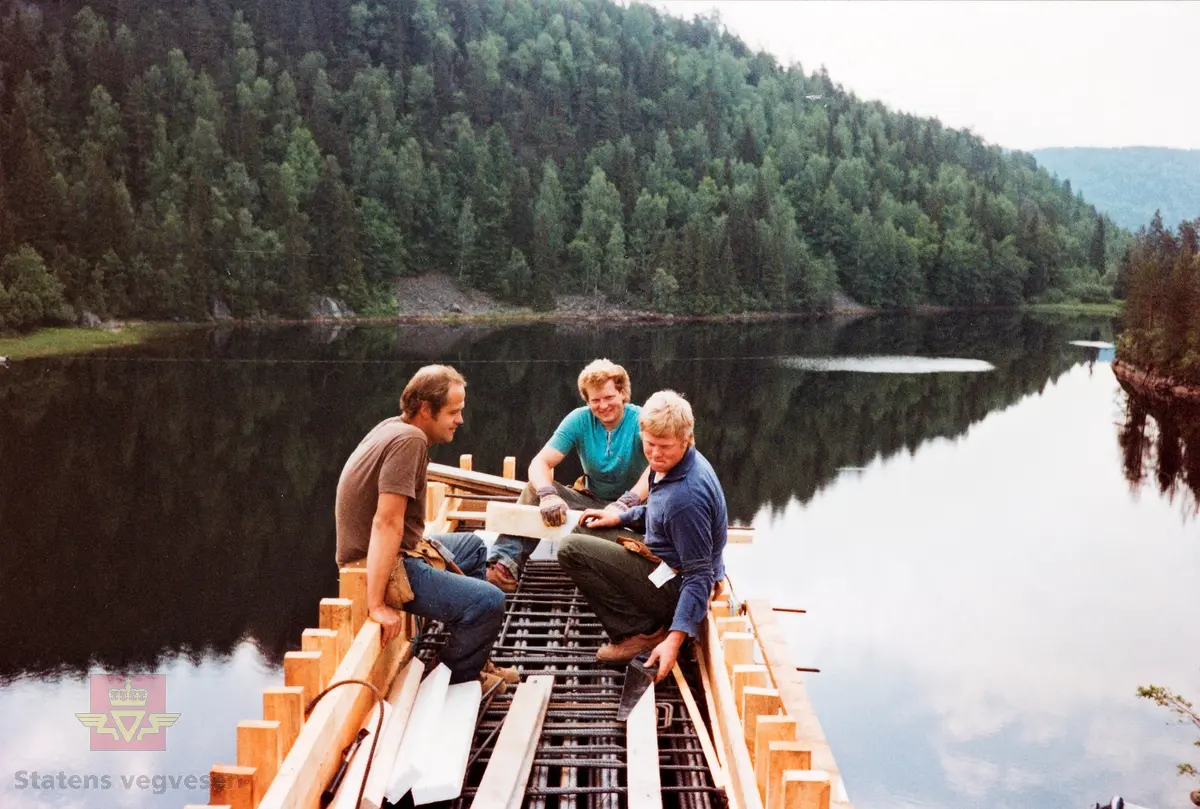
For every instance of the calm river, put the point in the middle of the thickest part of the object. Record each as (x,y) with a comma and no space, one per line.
(995,547)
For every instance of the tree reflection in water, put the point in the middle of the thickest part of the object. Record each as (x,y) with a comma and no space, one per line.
(1160,442)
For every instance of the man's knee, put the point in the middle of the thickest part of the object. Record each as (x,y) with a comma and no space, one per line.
(573,550)
(488,603)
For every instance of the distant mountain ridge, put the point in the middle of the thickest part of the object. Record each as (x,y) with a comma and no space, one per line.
(1130,183)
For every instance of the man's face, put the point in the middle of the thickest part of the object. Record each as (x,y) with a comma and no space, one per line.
(663,452)
(606,403)
(448,419)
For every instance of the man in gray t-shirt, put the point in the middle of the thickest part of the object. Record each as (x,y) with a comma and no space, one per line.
(380,513)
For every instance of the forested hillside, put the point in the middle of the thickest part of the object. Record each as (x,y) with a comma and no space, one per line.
(1130,184)
(164,158)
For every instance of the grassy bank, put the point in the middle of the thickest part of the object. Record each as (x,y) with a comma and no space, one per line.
(1090,309)
(75,340)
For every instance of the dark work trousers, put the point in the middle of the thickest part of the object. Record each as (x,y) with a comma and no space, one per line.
(617,586)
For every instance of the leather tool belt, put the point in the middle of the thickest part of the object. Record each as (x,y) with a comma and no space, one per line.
(399,591)
(634,545)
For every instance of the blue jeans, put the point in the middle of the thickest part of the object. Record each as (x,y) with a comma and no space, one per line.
(513,552)
(471,609)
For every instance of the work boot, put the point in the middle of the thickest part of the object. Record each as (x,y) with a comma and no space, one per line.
(630,648)
(493,674)
(499,575)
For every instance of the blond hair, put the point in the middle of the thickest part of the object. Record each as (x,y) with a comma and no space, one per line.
(430,384)
(666,414)
(599,372)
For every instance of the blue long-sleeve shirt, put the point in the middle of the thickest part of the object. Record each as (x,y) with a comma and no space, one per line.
(686,525)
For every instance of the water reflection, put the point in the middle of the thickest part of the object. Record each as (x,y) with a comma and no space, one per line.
(889,365)
(1160,448)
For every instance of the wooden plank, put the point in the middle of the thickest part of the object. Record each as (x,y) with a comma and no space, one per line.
(303,669)
(347,793)
(419,735)
(806,789)
(443,779)
(400,698)
(233,786)
(352,584)
(337,614)
(769,729)
(706,745)
(644,787)
(521,520)
(739,536)
(478,482)
(285,705)
(737,757)
(435,493)
(784,757)
(743,676)
(333,722)
(710,703)
(738,648)
(258,747)
(719,608)
(738,624)
(756,702)
(508,770)
(324,643)
(794,695)
(510,467)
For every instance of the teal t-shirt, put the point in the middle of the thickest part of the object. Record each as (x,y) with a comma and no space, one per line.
(613,461)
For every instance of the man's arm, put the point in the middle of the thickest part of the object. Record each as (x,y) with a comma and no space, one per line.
(541,468)
(690,531)
(387,529)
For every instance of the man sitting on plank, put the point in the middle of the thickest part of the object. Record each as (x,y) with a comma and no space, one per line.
(652,596)
(380,514)
(605,434)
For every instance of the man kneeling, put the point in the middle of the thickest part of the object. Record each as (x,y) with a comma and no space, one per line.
(651,597)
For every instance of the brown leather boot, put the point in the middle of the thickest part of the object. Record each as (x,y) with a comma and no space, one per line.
(630,648)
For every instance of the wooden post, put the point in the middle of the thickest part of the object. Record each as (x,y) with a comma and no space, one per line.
(258,747)
(719,608)
(738,648)
(303,669)
(464,462)
(510,467)
(323,641)
(352,585)
(285,705)
(757,702)
(743,676)
(766,730)
(725,625)
(435,493)
(806,789)
(338,614)
(783,757)
(232,786)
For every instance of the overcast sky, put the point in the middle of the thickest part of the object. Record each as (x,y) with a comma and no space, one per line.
(1024,75)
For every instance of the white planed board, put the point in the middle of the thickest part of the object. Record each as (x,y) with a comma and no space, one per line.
(444,763)
(641,751)
(526,521)
(400,700)
(503,783)
(423,727)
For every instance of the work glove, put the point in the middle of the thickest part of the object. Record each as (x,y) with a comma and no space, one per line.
(554,508)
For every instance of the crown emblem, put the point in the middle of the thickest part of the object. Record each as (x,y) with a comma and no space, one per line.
(127,696)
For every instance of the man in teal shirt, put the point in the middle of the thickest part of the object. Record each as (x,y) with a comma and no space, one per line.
(604,432)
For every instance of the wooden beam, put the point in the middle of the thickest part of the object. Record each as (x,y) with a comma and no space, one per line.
(337,614)
(738,624)
(510,467)
(737,757)
(794,695)
(303,669)
(521,520)
(259,747)
(784,757)
(285,705)
(806,789)
(769,729)
(739,536)
(738,648)
(352,584)
(503,784)
(324,643)
(710,702)
(477,482)
(756,702)
(334,721)
(401,697)
(451,746)
(641,755)
(743,676)
(423,724)
(232,786)
(435,493)
(706,745)
(719,608)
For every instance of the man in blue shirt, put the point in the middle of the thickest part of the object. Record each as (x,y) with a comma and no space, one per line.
(652,597)
(604,432)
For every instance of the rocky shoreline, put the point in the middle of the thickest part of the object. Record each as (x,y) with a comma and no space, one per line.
(1155,386)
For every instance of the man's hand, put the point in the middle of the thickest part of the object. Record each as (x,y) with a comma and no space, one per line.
(391,620)
(554,508)
(599,518)
(665,654)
